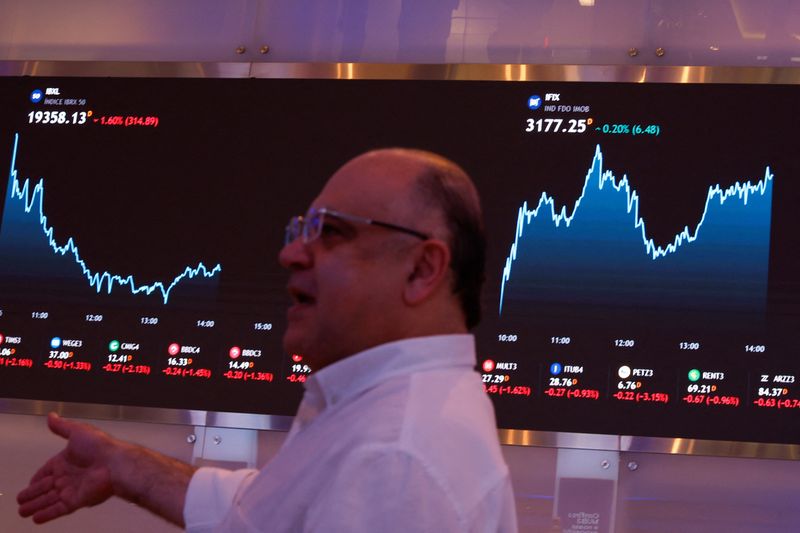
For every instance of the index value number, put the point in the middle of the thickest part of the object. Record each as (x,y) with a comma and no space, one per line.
(689,345)
(56,117)
(503,337)
(555,125)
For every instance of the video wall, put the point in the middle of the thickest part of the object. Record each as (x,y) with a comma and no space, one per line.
(642,274)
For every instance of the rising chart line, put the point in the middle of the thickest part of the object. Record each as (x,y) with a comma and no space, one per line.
(742,191)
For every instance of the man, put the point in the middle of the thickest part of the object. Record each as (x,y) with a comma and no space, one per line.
(394,432)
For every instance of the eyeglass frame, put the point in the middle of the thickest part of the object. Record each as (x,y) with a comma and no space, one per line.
(301,220)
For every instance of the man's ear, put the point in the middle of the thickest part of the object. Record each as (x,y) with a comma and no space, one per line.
(431,263)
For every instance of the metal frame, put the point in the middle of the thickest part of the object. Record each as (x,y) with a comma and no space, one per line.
(474,72)
(396,71)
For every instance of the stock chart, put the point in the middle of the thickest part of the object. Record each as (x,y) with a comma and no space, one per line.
(641,275)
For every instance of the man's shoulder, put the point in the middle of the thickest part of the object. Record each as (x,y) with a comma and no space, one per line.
(421,403)
(439,420)
(453,425)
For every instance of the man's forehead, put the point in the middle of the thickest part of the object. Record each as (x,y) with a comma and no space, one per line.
(371,183)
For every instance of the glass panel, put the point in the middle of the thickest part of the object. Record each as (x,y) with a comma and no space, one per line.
(533,474)
(688,32)
(420,31)
(144,30)
(733,32)
(548,31)
(695,494)
(321,30)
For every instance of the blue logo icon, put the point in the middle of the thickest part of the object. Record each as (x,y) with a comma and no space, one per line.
(36,96)
(555,369)
(55,343)
(534,102)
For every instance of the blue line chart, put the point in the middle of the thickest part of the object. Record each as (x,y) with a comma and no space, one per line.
(24,212)
(601,247)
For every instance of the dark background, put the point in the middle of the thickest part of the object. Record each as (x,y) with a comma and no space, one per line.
(231,160)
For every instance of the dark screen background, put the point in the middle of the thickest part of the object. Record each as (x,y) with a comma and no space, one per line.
(232,160)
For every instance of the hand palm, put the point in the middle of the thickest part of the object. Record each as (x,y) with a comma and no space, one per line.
(76,477)
(79,475)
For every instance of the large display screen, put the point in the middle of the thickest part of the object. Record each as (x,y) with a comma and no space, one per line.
(642,274)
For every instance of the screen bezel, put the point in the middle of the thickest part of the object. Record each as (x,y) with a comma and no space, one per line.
(396,71)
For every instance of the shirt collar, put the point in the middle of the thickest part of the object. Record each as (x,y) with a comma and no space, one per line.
(357,373)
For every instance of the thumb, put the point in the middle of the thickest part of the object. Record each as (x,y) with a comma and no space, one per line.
(59,426)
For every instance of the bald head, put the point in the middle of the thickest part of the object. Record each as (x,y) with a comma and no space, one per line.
(382,184)
(445,187)
(397,253)
(428,192)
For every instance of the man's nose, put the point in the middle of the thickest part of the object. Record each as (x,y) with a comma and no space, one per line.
(295,255)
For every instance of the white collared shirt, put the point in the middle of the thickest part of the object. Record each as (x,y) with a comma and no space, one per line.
(400,437)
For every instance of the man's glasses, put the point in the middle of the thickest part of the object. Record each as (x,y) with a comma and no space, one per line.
(309,227)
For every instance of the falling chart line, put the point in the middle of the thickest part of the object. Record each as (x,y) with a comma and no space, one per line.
(742,191)
(100,281)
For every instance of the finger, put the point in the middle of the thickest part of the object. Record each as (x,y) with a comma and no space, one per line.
(51,512)
(46,469)
(59,426)
(40,502)
(34,490)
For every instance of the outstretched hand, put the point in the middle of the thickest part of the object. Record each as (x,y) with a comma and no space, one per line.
(78,476)
(95,466)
